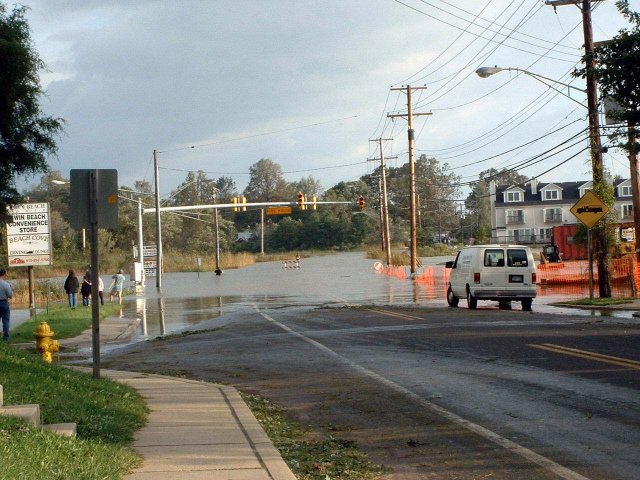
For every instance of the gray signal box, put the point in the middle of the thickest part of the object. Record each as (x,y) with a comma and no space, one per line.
(104,183)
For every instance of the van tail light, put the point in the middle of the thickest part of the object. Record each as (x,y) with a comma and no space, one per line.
(533,278)
(476,277)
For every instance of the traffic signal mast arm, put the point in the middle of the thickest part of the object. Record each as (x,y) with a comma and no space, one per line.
(236,205)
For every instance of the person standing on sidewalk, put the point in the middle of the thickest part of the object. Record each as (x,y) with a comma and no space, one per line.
(71,286)
(100,289)
(116,286)
(85,290)
(6,292)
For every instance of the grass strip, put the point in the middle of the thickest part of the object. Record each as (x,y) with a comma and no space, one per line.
(106,413)
(309,458)
(64,322)
(600,302)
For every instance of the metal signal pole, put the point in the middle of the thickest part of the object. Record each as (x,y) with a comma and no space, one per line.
(412,170)
(158,224)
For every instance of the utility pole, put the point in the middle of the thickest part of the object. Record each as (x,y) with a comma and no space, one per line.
(158,224)
(384,204)
(635,183)
(597,169)
(383,241)
(412,170)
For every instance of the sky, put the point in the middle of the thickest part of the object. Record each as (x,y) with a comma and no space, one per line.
(217,85)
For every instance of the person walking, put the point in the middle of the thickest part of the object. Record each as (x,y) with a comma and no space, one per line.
(116,286)
(100,289)
(6,292)
(71,286)
(85,290)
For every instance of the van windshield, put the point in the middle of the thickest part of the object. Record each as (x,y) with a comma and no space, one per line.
(517,258)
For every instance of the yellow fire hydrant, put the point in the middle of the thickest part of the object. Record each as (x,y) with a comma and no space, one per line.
(44,343)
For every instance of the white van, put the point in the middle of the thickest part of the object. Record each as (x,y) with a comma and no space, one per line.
(502,273)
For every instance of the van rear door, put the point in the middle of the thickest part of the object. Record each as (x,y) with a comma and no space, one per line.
(493,271)
(519,269)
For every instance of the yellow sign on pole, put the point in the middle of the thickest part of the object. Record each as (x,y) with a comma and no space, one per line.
(279,210)
(590,209)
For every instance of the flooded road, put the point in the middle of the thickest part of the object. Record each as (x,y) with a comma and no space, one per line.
(189,299)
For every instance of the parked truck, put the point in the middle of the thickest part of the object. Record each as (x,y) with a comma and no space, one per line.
(565,246)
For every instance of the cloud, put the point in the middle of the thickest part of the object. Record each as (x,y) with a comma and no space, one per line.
(131,77)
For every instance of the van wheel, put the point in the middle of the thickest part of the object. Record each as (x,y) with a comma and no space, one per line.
(472,302)
(526,304)
(452,300)
(505,305)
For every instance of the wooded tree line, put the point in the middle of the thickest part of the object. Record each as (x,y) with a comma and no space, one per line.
(326,227)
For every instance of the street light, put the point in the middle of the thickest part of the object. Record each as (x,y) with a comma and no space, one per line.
(594,140)
(485,72)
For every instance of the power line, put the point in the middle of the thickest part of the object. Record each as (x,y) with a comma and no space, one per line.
(476,56)
(406,80)
(518,147)
(258,135)
(504,26)
(284,172)
(460,28)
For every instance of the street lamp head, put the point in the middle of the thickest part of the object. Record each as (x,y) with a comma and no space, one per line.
(59,182)
(484,72)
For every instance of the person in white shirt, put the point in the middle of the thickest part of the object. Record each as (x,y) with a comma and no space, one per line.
(100,289)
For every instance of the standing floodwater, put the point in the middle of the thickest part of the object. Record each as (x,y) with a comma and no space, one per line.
(189,299)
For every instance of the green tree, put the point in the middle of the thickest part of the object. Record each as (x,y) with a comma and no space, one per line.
(285,236)
(349,192)
(307,185)
(617,70)
(26,134)
(437,190)
(226,188)
(266,183)
(54,190)
(477,223)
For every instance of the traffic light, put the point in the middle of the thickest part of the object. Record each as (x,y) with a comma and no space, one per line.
(301,201)
(314,201)
(361,202)
(243,200)
(234,200)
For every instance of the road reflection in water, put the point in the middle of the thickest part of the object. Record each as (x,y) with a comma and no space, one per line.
(188,300)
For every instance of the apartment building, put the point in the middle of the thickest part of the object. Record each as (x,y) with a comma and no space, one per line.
(526,214)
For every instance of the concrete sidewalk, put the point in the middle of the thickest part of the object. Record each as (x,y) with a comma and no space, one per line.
(198,431)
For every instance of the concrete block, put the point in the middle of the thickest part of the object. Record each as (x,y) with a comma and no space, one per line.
(64,429)
(30,413)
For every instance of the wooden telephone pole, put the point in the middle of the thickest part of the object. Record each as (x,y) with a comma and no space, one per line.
(384,204)
(597,168)
(412,169)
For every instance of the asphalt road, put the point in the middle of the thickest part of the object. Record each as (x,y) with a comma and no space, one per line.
(435,393)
